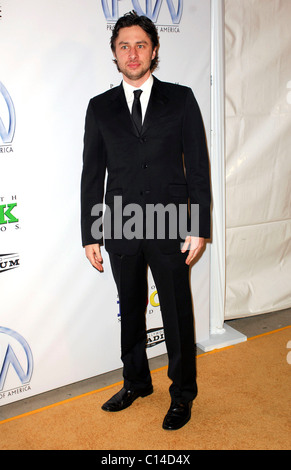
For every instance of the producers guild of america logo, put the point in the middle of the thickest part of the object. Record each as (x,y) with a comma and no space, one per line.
(9,261)
(16,363)
(7,120)
(166,14)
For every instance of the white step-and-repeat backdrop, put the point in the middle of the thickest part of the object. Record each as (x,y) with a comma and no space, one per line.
(59,318)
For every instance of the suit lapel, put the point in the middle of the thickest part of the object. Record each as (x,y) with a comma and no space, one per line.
(156,106)
(121,111)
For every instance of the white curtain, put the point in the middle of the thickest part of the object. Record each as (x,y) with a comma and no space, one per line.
(258,160)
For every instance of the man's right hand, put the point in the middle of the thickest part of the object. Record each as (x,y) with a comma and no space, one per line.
(93,254)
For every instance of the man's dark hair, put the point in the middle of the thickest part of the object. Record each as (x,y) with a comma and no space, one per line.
(133,19)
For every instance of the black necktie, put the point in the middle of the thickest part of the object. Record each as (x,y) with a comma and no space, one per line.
(136,110)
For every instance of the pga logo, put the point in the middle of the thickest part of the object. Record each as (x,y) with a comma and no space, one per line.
(151,11)
(7,116)
(15,353)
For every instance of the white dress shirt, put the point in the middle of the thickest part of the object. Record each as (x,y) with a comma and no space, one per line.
(145,96)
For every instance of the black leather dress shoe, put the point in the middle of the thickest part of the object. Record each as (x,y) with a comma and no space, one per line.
(178,415)
(124,398)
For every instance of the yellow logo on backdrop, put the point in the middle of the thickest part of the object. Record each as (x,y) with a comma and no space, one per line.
(153,300)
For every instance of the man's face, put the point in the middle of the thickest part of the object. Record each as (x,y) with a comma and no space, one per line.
(134,53)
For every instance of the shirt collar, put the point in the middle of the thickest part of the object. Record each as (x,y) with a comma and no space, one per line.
(145,87)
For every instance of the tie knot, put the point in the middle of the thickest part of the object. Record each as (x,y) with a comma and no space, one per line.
(137,94)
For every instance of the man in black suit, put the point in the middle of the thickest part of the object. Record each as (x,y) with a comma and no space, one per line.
(154,151)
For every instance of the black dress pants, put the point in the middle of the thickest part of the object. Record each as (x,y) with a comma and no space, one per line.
(171,277)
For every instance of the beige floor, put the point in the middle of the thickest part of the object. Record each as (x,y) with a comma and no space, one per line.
(250,326)
(243,404)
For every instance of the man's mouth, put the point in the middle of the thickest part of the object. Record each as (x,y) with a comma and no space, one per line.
(133,65)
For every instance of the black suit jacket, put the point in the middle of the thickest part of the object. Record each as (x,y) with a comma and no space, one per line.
(166,163)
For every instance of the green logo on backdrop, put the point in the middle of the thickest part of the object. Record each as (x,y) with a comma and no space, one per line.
(6,215)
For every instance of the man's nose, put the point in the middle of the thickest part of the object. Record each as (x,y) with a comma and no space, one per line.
(133,53)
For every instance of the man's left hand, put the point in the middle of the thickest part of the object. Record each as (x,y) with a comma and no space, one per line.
(195,245)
